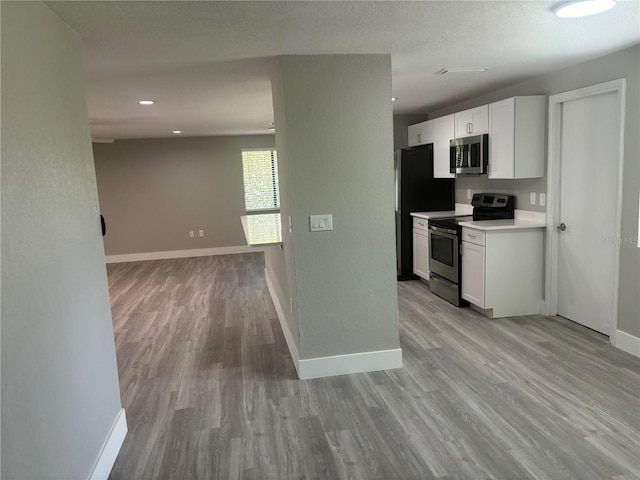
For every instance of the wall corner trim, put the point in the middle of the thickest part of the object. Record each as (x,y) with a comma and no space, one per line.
(350,363)
(195,252)
(288,336)
(627,343)
(109,451)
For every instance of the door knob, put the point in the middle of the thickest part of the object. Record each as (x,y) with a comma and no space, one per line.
(562,227)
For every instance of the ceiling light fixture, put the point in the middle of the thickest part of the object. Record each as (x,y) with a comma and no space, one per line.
(176,131)
(584,8)
(146,102)
(461,70)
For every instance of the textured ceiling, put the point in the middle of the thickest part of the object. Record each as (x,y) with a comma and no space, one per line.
(207,63)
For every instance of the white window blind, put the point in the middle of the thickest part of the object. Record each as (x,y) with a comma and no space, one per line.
(260,174)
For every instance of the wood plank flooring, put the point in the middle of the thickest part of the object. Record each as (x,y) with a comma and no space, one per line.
(210,391)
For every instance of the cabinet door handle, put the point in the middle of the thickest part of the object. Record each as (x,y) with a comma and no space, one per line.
(472,236)
(421,224)
(419,138)
(461,249)
(469,128)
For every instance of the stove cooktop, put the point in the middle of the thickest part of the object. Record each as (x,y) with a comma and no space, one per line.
(449,222)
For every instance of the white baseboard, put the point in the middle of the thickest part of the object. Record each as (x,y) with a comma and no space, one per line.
(288,335)
(627,343)
(350,363)
(107,456)
(195,252)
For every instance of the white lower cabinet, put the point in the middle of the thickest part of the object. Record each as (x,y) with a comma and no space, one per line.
(473,273)
(421,248)
(502,270)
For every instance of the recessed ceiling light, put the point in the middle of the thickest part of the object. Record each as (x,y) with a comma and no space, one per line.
(393,99)
(584,8)
(146,102)
(176,131)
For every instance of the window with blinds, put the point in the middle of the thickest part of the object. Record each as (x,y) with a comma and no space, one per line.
(260,175)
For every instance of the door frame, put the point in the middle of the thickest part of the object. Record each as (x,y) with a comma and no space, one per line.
(553,191)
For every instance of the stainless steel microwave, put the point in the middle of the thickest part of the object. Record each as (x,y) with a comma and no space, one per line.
(470,155)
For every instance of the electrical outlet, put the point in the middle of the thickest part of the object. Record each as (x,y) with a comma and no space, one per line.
(468,194)
(543,199)
(192,233)
(532,198)
(201,233)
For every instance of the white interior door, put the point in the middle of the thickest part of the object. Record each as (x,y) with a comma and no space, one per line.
(587,263)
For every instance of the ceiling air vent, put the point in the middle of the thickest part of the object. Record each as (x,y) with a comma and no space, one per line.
(461,70)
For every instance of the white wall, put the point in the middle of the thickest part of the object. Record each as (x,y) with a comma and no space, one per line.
(335,146)
(60,393)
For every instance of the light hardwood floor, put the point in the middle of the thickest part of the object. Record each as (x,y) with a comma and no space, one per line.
(211,393)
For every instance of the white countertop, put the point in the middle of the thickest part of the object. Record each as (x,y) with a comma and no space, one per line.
(512,224)
(263,229)
(461,209)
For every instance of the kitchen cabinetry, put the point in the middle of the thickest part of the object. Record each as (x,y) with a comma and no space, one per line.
(517,137)
(421,247)
(474,121)
(420,133)
(502,270)
(443,132)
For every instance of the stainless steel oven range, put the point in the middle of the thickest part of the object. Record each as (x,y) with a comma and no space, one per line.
(444,261)
(445,238)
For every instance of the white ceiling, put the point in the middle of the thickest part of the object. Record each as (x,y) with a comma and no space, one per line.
(207,63)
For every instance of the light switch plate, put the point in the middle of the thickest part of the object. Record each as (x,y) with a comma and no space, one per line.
(532,198)
(543,199)
(319,223)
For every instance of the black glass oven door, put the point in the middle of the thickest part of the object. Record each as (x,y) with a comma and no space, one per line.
(444,251)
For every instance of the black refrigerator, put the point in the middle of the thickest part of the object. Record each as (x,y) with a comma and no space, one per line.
(416,191)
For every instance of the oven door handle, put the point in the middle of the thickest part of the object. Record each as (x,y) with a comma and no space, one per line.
(443,230)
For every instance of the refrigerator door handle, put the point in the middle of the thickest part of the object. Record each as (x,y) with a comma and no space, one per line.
(396,163)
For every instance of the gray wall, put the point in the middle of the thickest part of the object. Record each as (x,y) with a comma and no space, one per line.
(153,192)
(60,393)
(280,265)
(623,64)
(337,161)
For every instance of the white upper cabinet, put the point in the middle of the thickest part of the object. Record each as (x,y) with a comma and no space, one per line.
(421,133)
(474,121)
(517,137)
(443,132)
